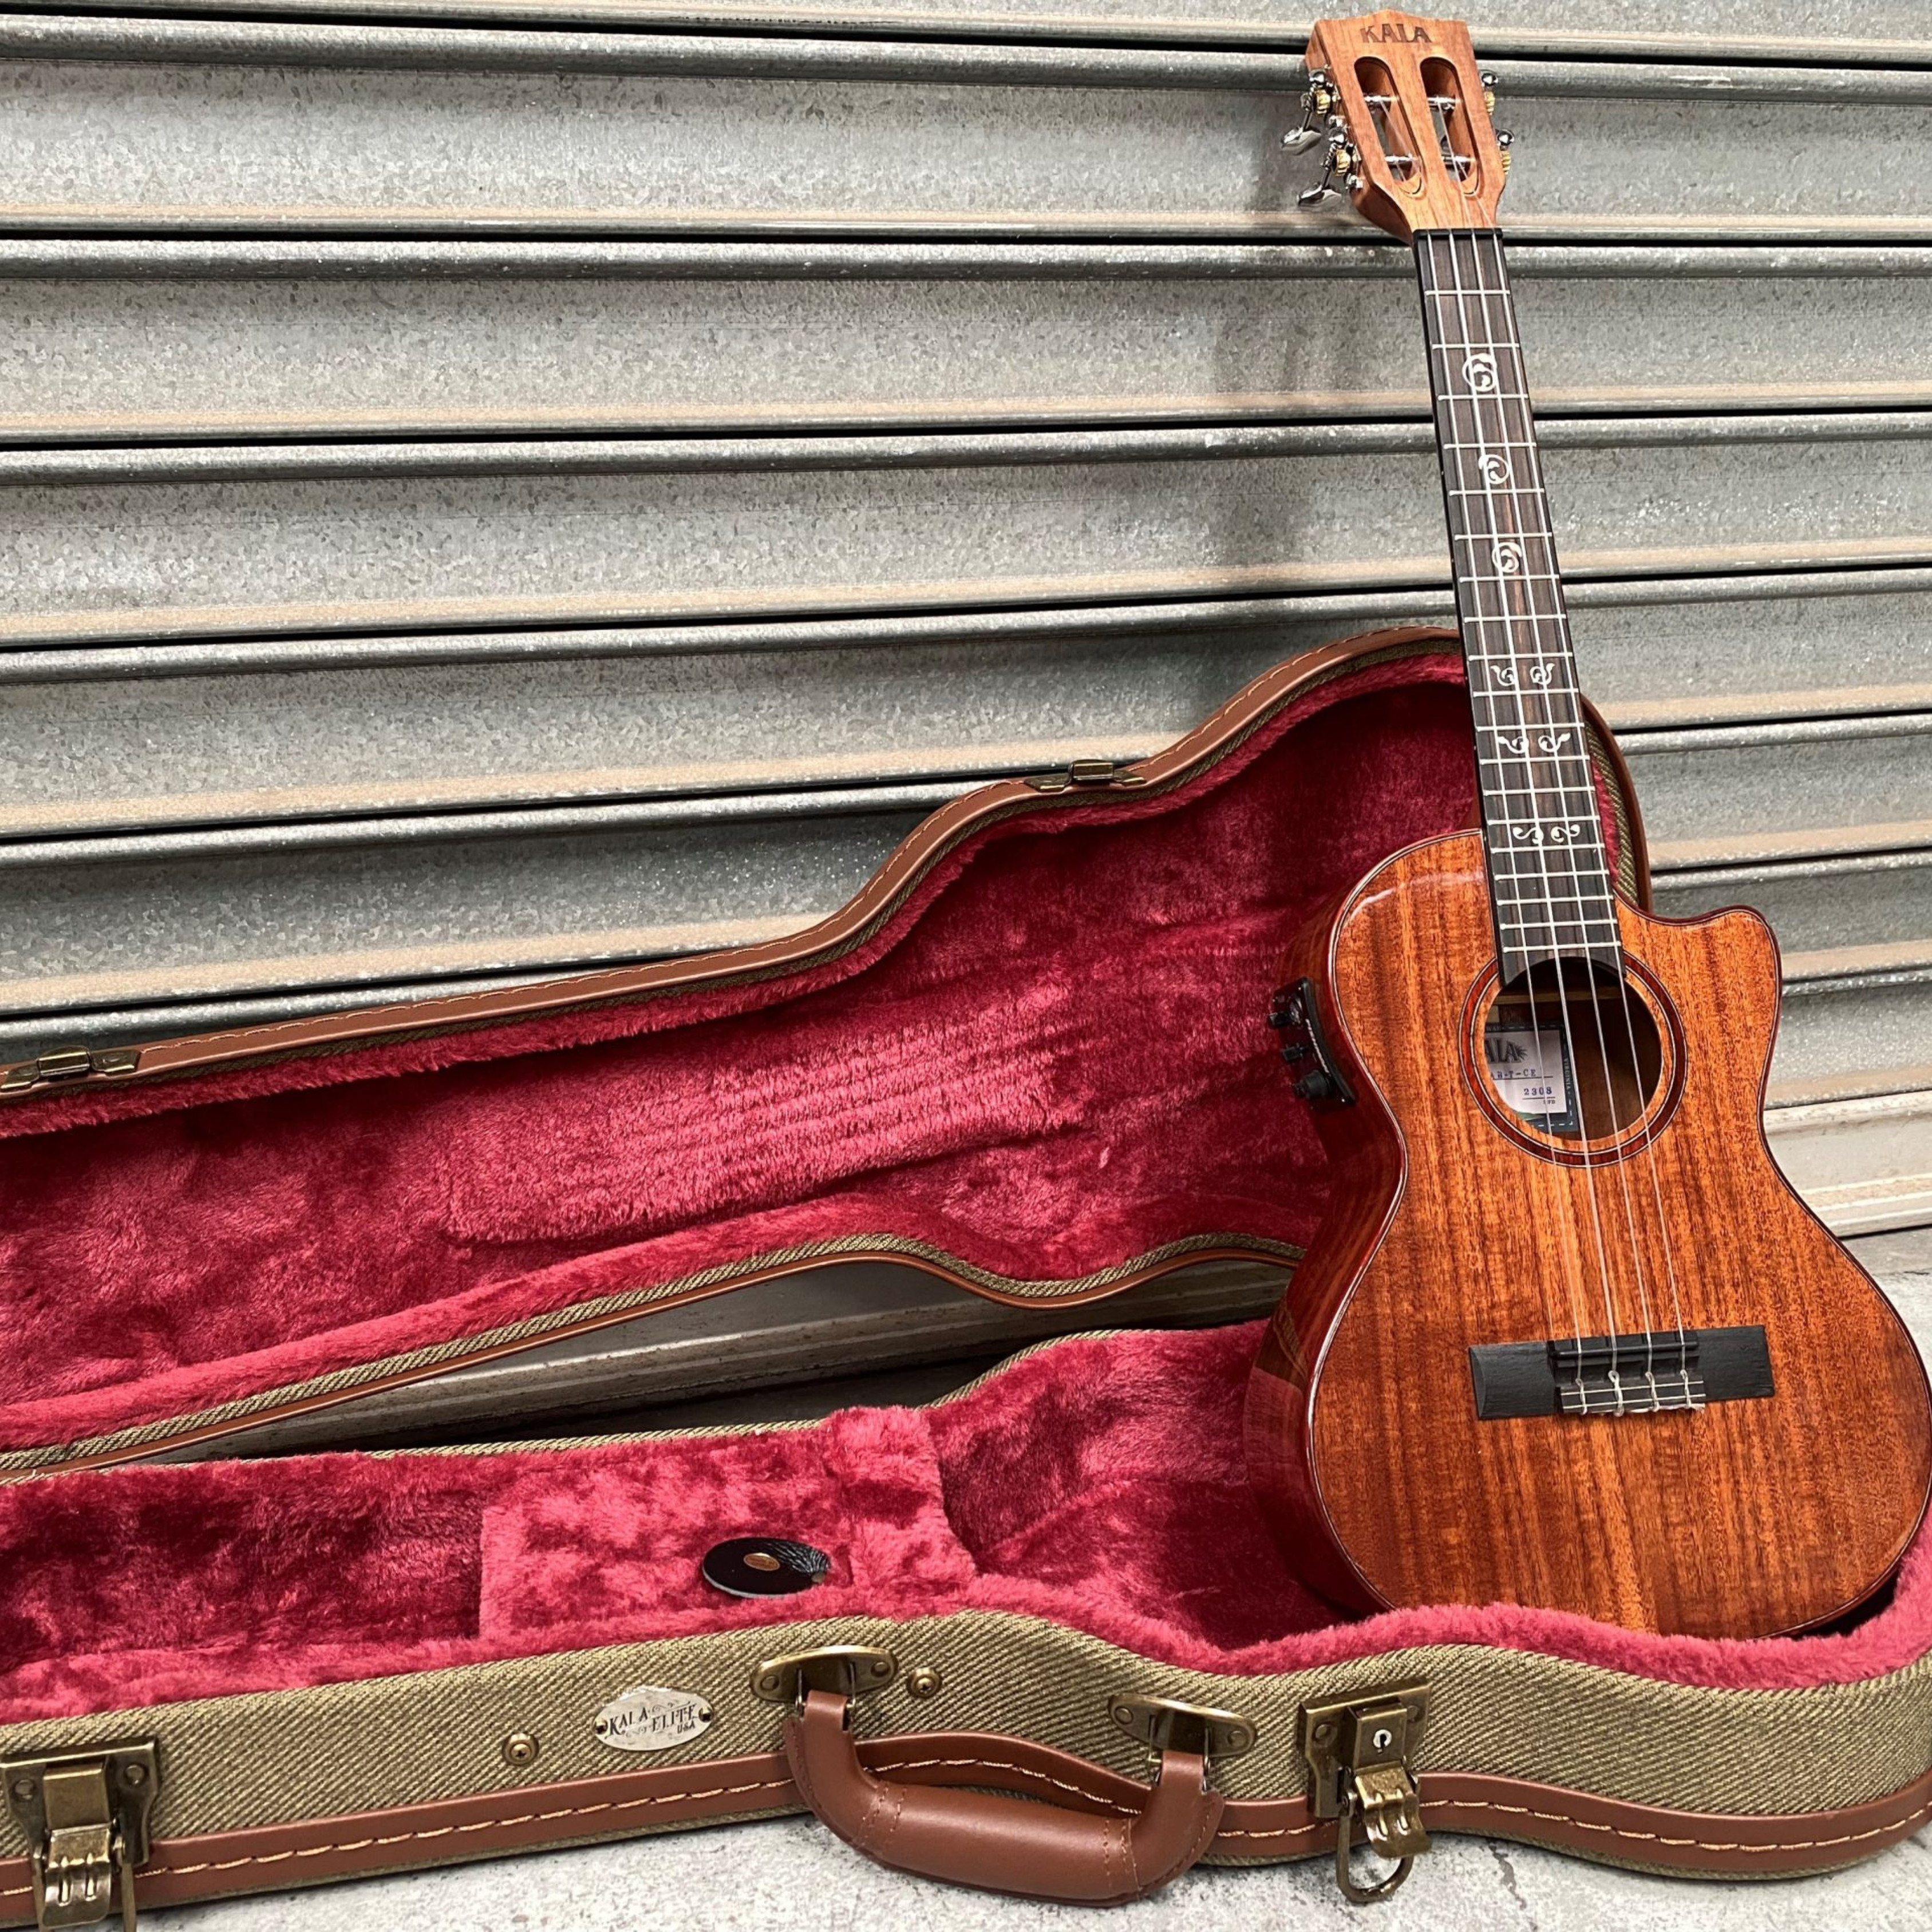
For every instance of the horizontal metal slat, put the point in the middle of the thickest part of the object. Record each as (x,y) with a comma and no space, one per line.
(683,530)
(110,744)
(1752,32)
(1760,635)
(232,923)
(1875,909)
(1725,794)
(242,348)
(1854,1034)
(1865,1165)
(1358,252)
(985,59)
(113,124)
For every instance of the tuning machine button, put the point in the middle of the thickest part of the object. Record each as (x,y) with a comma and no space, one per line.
(1318,108)
(1488,81)
(1504,142)
(1340,170)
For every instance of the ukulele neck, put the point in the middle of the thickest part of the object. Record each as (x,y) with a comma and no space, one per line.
(1550,886)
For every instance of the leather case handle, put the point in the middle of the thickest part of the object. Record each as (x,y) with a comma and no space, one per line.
(999,1843)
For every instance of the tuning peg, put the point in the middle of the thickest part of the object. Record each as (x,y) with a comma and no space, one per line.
(1488,81)
(1317,104)
(1505,143)
(1338,172)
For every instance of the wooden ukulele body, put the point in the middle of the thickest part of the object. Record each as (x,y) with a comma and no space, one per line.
(1454,1226)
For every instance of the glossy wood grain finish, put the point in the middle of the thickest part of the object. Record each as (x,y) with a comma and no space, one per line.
(1745,1518)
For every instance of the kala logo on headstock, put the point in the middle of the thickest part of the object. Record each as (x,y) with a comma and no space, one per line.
(1407,124)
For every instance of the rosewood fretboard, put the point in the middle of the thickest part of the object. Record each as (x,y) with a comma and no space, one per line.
(1550,878)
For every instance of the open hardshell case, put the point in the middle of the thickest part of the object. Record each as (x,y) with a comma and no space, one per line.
(1033,1057)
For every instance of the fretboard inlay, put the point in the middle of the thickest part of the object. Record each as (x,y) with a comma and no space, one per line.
(1550,877)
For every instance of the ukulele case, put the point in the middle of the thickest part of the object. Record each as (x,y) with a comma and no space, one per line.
(1055,1653)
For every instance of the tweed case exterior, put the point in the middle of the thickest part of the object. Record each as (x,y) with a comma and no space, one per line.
(263,1791)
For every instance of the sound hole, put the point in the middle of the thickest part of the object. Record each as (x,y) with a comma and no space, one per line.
(1572,1051)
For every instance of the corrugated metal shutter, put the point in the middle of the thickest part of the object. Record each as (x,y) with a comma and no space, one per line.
(490,497)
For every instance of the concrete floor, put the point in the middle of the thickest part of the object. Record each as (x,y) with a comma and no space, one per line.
(792,1876)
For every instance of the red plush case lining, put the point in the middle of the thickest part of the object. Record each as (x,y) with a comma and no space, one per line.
(1133,1521)
(1052,1059)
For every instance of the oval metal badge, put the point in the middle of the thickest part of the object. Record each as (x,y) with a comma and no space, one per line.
(651,1717)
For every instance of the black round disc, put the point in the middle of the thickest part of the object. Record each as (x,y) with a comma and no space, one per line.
(763,1566)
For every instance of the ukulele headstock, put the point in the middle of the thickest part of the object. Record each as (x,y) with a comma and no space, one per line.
(1405,111)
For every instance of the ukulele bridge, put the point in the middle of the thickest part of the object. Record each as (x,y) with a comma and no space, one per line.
(1665,1372)
(1631,1375)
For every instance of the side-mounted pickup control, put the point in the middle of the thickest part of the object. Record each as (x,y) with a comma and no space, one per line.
(1295,1016)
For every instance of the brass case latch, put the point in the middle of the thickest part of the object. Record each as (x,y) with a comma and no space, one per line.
(85,1817)
(1359,1751)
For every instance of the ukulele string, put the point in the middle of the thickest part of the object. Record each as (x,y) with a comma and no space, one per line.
(1576,898)
(1575,1243)
(1646,1148)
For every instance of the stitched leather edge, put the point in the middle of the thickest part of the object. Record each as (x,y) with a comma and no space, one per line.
(627,1804)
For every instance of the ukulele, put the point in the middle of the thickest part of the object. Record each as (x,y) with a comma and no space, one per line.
(1566,1337)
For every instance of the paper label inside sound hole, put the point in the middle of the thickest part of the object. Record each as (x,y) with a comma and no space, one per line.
(1531,1075)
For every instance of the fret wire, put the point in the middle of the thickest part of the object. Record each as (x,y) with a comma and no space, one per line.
(1539,791)
(1591,870)
(1573,812)
(1571,898)
(1528,887)
(1578,778)
(1580,921)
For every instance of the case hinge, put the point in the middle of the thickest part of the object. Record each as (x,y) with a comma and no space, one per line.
(1359,1751)
(1164,1724)
(73,1063)
(844,1669)
(85,1816)
(1085,774)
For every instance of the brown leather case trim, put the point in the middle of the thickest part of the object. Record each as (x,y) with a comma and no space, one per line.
(1220,734)
(1252,1829)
